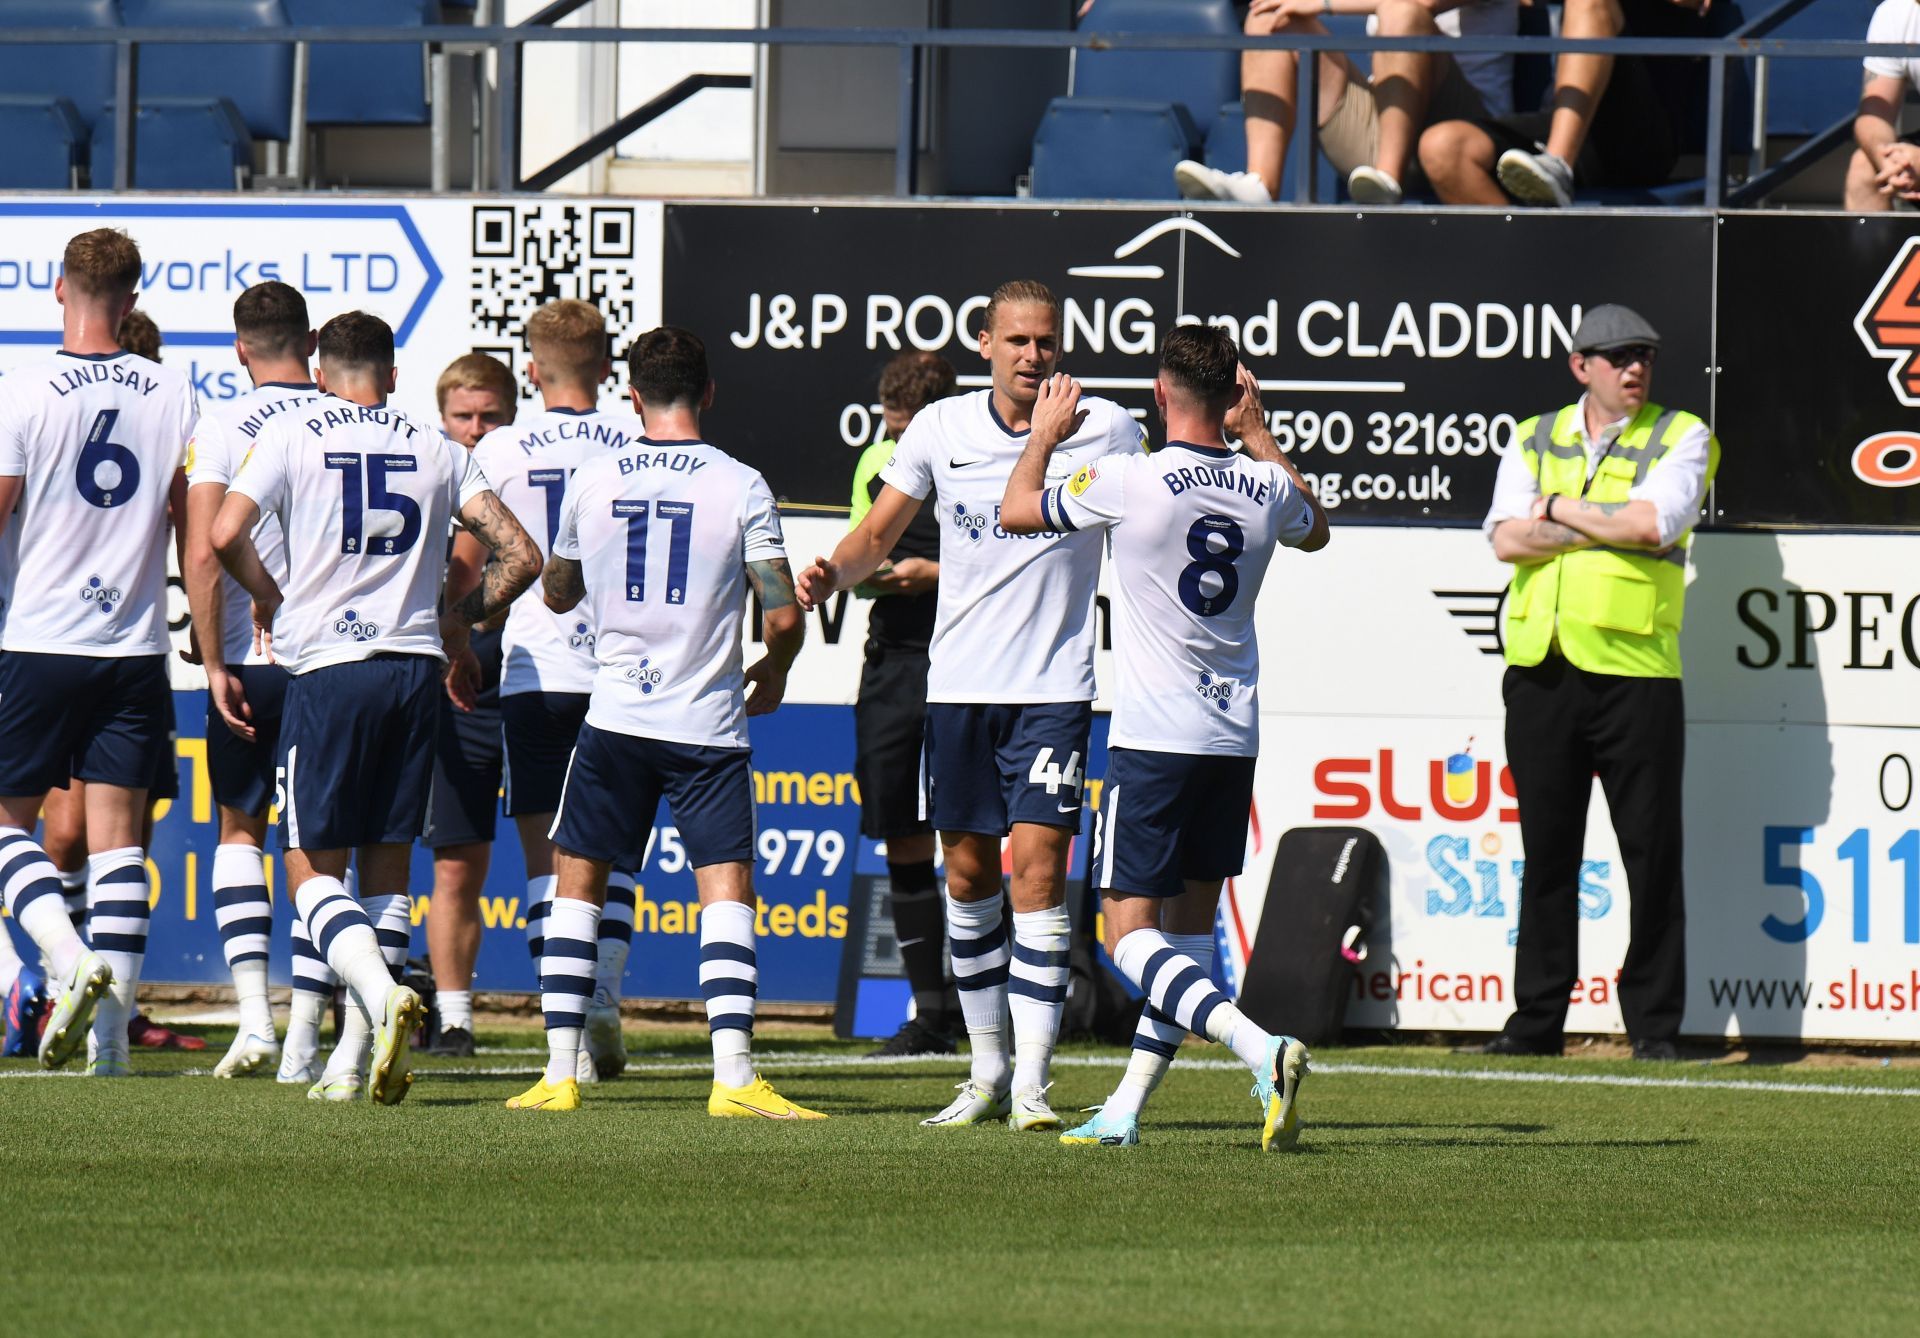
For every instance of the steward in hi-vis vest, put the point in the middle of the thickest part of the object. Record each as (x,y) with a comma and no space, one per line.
(1594,506)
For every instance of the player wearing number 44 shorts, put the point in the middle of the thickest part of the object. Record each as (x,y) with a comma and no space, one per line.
(1192,528)
(1009,690)
(661,540)
(274,341)
(91,441)
(362,495)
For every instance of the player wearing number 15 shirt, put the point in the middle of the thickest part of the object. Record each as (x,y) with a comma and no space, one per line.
(362,495)
(91,440)
(1192,528)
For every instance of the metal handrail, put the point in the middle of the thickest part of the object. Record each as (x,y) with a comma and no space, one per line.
(510,42)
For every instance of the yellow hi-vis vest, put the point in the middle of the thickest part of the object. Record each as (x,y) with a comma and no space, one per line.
(1609,610)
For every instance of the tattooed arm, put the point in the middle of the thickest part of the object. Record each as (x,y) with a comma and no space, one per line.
(562,585)
(1634,524)
(516,561)
(1524,541)
(780,627)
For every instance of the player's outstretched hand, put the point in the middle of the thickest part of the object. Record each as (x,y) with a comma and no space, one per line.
(1057,414)
(815,584)
(1247,412)
(230,700)
(766,684)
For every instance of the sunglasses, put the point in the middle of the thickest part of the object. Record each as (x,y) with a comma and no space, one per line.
(1627,354)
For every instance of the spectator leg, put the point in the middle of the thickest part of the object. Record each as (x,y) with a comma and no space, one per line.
(1402,85)
(1457,158)
(1580,81)
(1269,88)
(1863,195)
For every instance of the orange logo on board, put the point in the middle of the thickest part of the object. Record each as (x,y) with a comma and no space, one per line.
(1889,323)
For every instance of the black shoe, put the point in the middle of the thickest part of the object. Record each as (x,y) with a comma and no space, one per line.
(1504,1044)
(1657,1050)
(915,1038)
(453,1043)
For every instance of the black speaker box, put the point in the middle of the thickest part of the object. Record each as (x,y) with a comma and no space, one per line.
(1320,902)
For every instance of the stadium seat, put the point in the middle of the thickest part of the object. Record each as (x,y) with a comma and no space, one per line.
(1199,81)
(1227,150)
(40,144)
(256,79)
(365,85)
(1110,148)
(81,73)
(179,144)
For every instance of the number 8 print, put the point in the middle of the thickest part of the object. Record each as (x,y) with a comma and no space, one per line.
(1207,562)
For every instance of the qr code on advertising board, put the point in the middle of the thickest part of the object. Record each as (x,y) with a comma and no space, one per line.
(526,255)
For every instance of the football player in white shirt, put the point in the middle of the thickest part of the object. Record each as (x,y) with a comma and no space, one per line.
(549,666)
(662,540)
(1009,691)
(1191,528)
(362,495)
(274,341)
(91,441)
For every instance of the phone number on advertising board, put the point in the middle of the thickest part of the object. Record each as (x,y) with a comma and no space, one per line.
(1298,431)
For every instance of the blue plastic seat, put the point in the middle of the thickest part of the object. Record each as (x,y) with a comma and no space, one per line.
(1110,149)
(256,79)
(179,144)
(41,143)
(81,73)
(365,85)
(1197,80)
(1227,150)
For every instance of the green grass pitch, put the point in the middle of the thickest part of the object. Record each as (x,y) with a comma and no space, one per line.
(1418,1204)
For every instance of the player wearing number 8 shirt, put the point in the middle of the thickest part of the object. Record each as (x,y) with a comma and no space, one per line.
(91,441)
(362,495)
(1191,528)
(1009,691)
(662,540)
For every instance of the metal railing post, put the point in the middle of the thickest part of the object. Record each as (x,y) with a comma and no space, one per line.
(1757,161)
(906,147)
(297,125)
(440,114)
(1306,118)
(507,130)
(1716,131)
(126,93)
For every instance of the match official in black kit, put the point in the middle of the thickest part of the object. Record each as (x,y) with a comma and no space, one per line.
(890,717)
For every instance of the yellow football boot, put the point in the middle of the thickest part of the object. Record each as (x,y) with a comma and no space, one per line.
(757,1100)
(563,1095)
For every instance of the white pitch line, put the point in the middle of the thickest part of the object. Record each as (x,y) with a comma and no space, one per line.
(776,1062)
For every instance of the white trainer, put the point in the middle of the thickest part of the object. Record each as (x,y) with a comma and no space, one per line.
(298,1067)
(1197,181)
(1031,1111)
(1536,178)
(974,1105)
(246,1055)
(1371,187)
(68,1022)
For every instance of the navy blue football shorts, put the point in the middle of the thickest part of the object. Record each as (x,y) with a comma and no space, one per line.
(242,773)
(613,789)
(83,717)
(1167,818)
(988,767)
(356,752)
(539,729)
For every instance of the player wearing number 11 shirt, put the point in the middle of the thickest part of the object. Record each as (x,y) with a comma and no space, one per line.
(363,496)
(91,441)
(1191,529)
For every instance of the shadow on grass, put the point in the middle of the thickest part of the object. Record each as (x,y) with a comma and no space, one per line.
(1423,1124)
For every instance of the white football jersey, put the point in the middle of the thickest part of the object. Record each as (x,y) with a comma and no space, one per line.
(1015,619)
(663,533)
(98,438)
(528,463)
(1192,529)
(363,496)
(221,440)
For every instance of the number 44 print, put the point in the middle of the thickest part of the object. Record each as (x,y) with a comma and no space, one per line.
(1045,771)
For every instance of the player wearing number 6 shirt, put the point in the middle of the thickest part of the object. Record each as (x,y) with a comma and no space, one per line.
(362,495)
(661,540)
(1191,528)
(91,441)
(1009,690)
(549,667)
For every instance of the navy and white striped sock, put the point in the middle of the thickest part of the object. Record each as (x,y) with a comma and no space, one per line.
(566,980)
(343,933)
(539,897)
(313,982)
(616,939)
(1037,991)
(73,886)
(243,908)
(117,918)
(730,982)
(1177,986)
(392,916)
(31,887)
(977,939)
(1157,1039)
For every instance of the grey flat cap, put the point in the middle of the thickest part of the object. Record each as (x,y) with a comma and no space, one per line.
(1610,326)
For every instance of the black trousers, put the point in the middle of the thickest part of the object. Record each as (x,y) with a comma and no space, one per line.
(1563,725)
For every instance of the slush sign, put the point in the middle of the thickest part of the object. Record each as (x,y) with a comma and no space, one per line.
(197,258)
